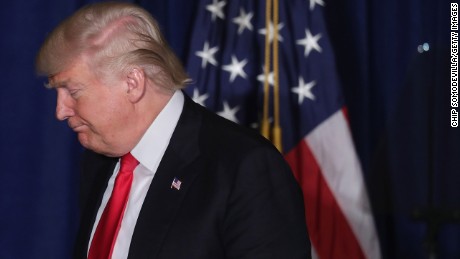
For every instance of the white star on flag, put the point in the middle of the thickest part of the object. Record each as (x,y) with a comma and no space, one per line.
(199,98)
(236,68)
(207,55)
(255,125)
(271,78)
(313,2)
(304,90)
(271,31)
(229,113)
(310,42)
(216,9)
(243,21)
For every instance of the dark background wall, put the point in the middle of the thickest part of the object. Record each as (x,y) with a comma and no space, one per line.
(397,97)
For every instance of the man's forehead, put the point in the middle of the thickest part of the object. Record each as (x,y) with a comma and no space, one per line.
(66,76)
(69,74)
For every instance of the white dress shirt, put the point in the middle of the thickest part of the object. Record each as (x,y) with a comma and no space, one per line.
(149,152)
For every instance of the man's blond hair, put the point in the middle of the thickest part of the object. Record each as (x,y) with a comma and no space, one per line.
(114,37)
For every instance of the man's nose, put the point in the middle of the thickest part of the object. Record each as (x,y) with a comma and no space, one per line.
(64,106)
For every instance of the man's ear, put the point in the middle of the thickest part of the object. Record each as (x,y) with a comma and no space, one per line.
(136,83)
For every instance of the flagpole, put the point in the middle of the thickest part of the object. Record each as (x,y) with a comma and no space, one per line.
(276,113)
(265,125)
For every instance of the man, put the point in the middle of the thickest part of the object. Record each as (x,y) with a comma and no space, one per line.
(162,177)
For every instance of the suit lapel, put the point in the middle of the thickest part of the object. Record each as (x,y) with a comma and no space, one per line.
(101,169)
(162,201)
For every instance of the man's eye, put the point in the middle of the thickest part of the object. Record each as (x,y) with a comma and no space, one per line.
(73,92)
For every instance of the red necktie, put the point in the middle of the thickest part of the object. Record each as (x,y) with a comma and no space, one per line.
(110,221)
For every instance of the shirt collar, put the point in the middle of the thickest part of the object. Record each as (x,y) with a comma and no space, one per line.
(153,144)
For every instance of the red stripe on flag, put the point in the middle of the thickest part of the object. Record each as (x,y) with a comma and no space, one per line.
(330,234)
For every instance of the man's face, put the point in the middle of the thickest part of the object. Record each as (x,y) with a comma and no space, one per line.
(97,112)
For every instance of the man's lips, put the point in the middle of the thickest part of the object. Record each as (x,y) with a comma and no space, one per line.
(76,127)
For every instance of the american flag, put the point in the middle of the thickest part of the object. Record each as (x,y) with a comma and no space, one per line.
(176,184)
(226,65)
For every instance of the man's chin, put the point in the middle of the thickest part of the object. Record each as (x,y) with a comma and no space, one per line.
(85,142)
(88,144)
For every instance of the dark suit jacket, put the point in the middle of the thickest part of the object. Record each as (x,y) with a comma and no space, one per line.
(238,197)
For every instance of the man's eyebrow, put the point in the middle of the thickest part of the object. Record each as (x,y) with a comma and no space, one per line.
(57,84)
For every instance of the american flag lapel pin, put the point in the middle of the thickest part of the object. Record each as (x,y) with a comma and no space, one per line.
(176,183)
